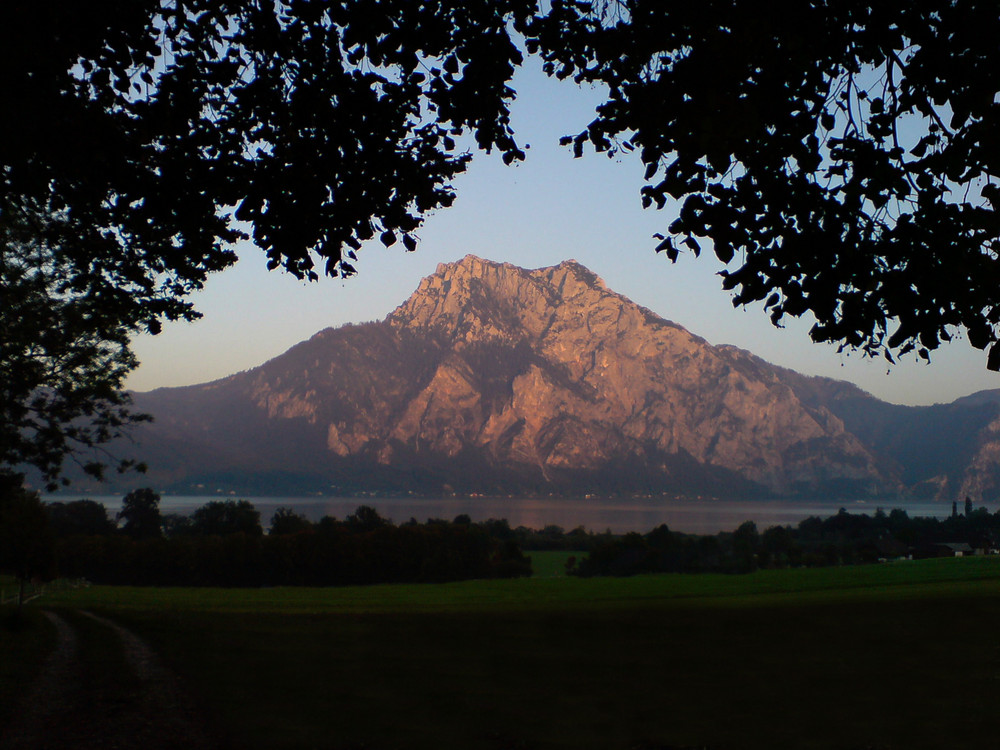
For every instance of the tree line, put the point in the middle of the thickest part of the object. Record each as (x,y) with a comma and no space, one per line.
(841,539)
(223,543)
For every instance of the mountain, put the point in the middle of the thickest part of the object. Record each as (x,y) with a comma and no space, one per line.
(496,379)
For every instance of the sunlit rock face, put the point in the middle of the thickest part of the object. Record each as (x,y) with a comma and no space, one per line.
(551,369)
(981,476)
(492,378)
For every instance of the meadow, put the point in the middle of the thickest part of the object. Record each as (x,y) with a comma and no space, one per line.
(899,655)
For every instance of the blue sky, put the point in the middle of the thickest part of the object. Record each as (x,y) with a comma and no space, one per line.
(548,209)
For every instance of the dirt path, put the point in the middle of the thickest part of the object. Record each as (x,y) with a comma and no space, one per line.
(78,701)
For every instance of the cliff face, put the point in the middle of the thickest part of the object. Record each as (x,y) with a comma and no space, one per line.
(580,378)
(493,378)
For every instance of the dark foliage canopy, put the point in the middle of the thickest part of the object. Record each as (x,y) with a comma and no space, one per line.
(287,521)
(221,517)
(839,156)
(148,136)
(79,518)
(219,550)
(840,539)
(64,355)
(140,514)
(26,542)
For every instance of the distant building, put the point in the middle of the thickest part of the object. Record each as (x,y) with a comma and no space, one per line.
(948,549)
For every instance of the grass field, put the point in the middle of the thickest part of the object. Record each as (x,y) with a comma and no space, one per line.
(901,655)
(551,564)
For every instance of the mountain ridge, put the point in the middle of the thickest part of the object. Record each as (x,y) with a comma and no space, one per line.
(498,379)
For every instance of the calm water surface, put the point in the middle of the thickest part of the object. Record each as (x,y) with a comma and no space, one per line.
(596,514)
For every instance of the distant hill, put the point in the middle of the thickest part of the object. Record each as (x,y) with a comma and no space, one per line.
(496,379)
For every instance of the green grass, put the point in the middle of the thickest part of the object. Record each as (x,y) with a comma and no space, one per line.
(892,656)
(8,586)
(891,580)
(552,564)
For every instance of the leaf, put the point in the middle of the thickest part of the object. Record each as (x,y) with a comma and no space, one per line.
(692,244)
(991,192)
(993,358)
(388,238)
(979,336)
(921,148)
(245,211)
(719,161)
(409,243)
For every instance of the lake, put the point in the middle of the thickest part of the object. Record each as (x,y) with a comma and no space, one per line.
(596,514)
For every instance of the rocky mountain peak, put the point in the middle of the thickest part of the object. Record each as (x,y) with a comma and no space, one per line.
(550,368)
(475,298)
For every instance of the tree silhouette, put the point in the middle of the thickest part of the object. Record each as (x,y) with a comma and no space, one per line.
(286,521)
(63,356)
(147,130)
(837,154)
(222,517)
(79,518)
(26,543)
(366,518)
(141,514)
